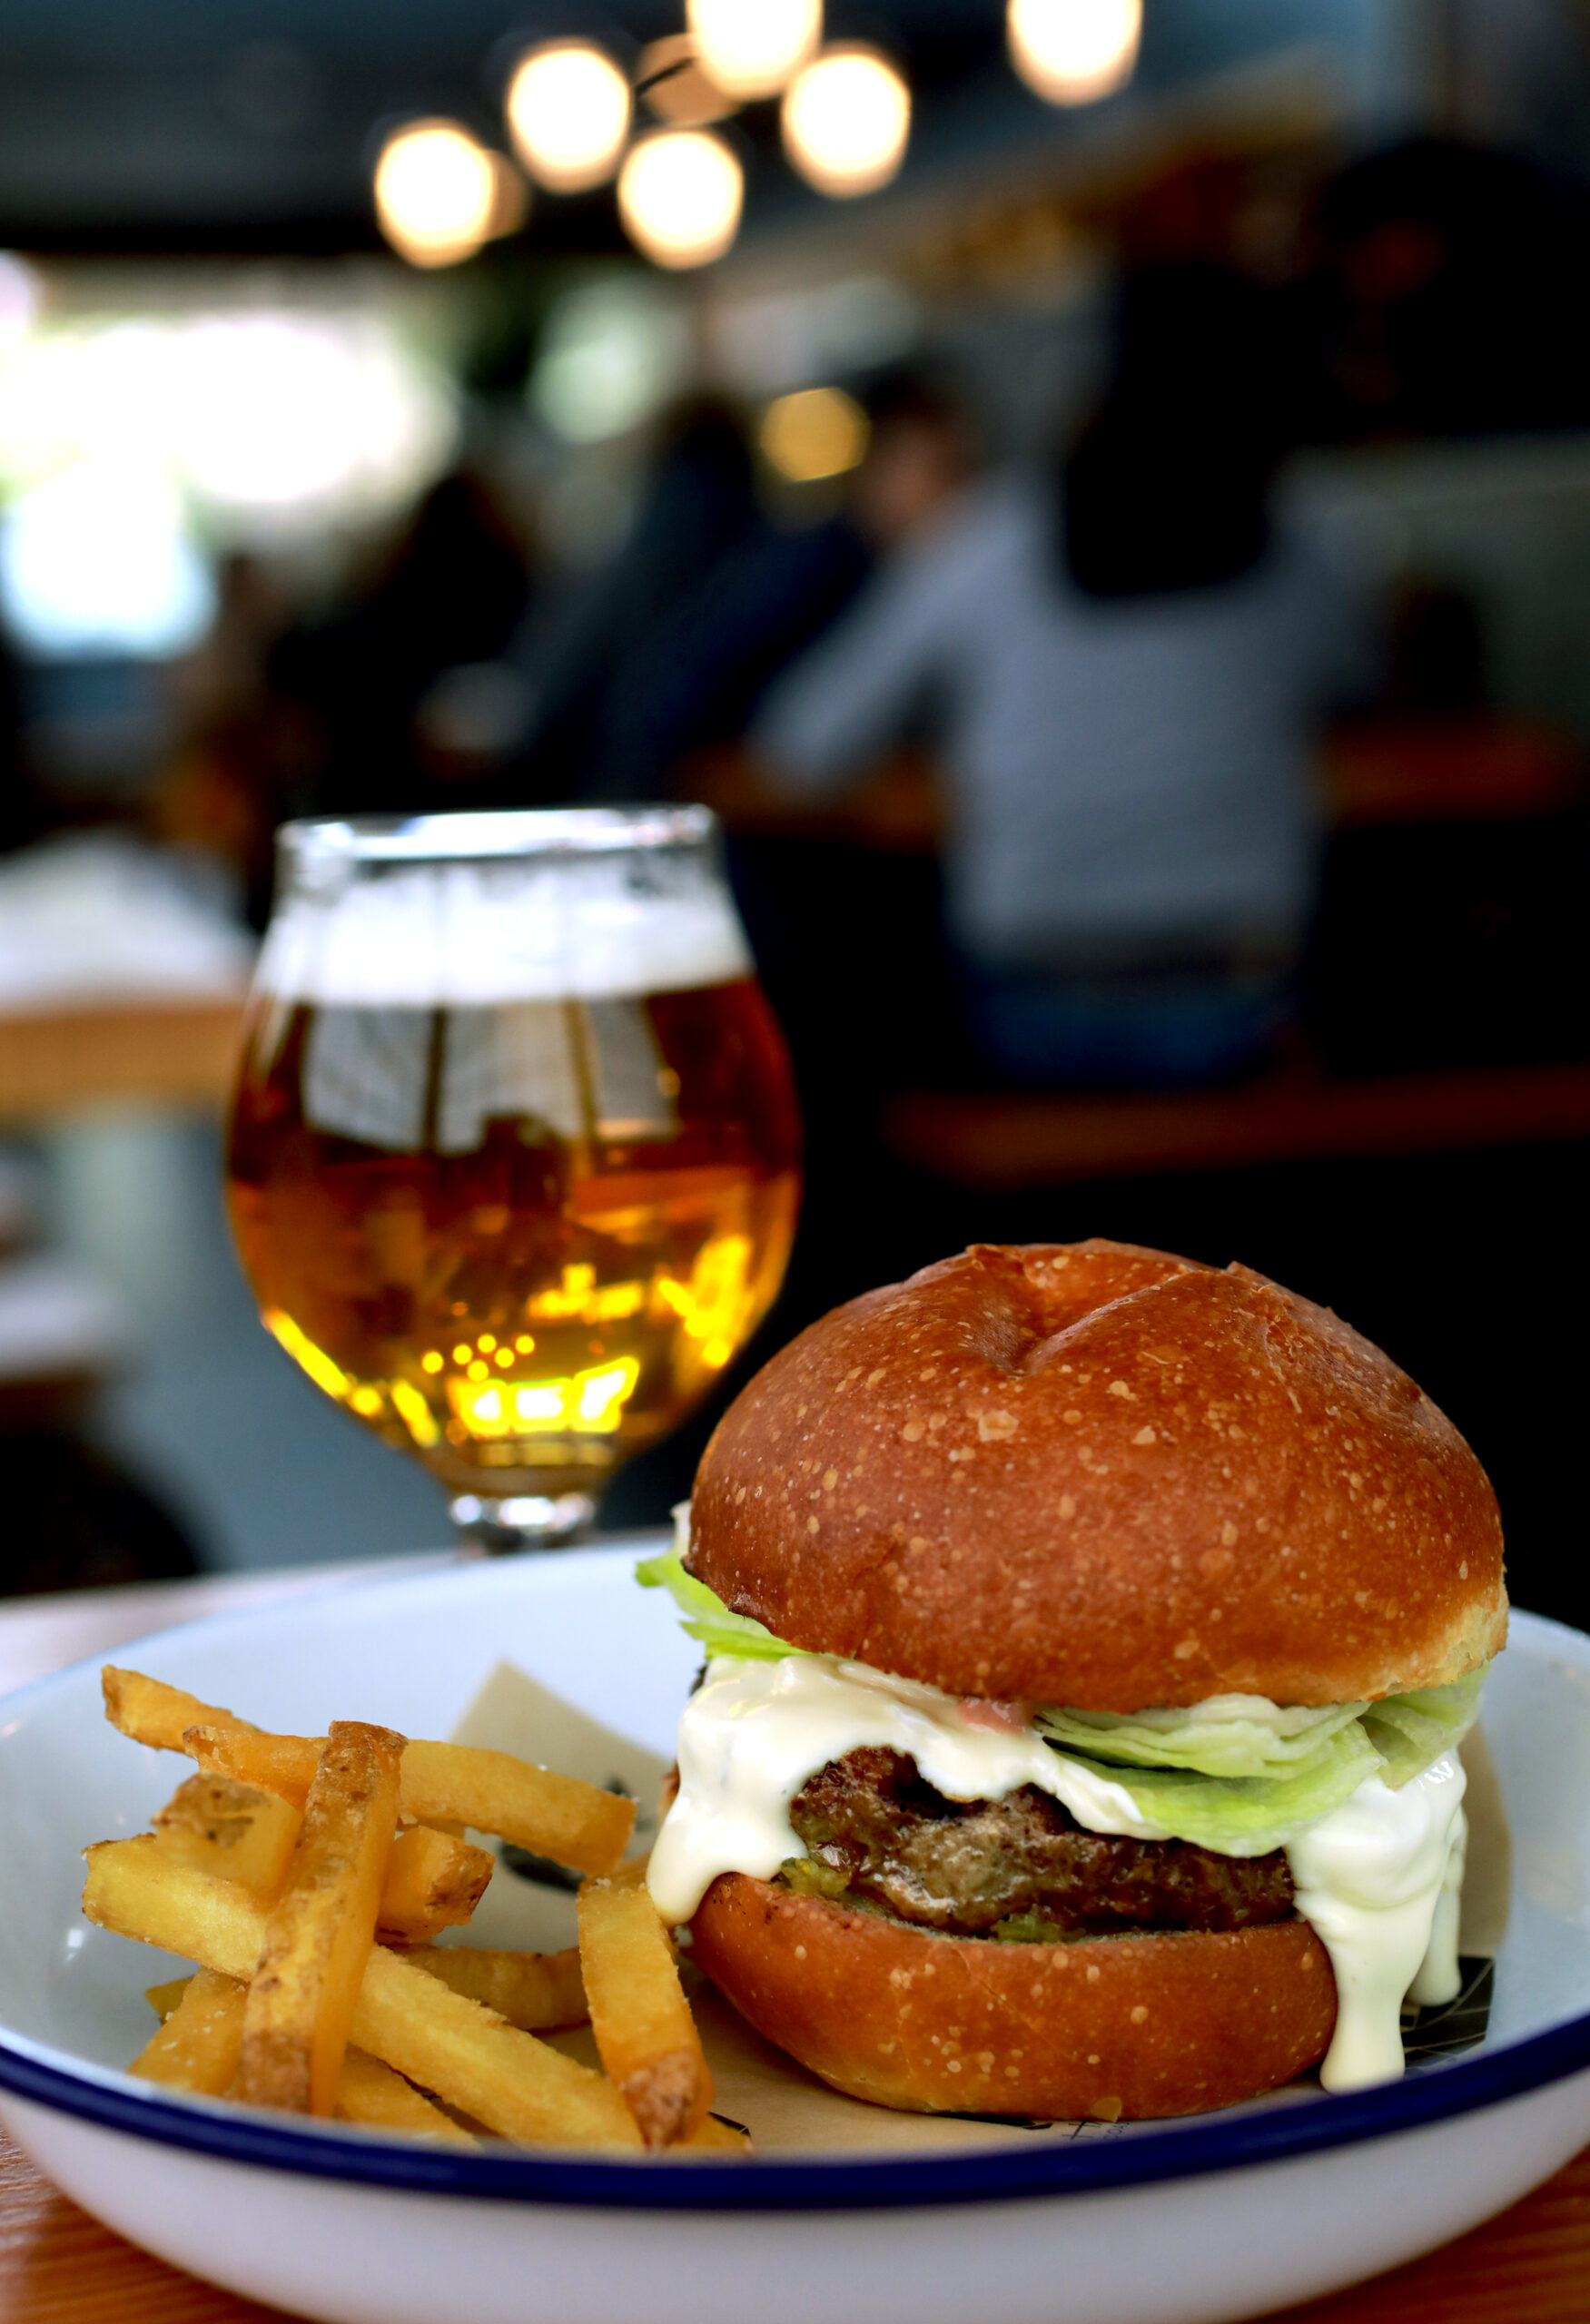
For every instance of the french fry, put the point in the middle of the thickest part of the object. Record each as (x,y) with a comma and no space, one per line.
(642,2021)
(283,1764)
(533,1991)
(302,2002)
(432,1882)
(196,2048)
(220,1826)
(468,2055)
(488,2069)
(150,1712)
(223,1827)
(163,1999)
(575,1823)
(217,1812)
(134,1889)
(371,2093)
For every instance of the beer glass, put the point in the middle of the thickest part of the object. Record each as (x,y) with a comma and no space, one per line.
(514,1156)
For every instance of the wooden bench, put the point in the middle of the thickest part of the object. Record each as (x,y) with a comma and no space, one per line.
(179,1053)
(1011,1142)
(1456,771)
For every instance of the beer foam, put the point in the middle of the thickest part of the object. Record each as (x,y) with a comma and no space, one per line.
(473,935)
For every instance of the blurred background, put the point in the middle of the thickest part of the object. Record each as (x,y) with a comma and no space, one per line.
(1097,496)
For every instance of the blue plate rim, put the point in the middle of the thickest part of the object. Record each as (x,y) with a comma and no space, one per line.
(1138,2155)
(1134,2155)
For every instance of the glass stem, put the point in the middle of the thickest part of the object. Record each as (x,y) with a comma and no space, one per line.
(522,1521)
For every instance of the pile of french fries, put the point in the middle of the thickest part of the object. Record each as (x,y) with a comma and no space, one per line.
(308,1879)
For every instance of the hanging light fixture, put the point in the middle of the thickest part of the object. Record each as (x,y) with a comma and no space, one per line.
(439,193)
(679,196)
(1074,52)
(846,117)
(750,48)
(676,87)
(568,108)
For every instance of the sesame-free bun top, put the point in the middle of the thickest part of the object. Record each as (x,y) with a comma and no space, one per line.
(1089,1474)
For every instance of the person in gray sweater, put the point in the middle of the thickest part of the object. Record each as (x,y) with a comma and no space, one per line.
(1122,670)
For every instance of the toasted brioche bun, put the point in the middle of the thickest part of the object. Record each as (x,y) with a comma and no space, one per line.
(1113,2027)
(1106,1477)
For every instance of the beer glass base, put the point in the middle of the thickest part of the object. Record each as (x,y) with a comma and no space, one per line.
(522,1521)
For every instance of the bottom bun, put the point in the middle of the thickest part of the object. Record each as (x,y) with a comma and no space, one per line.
(1111,2027)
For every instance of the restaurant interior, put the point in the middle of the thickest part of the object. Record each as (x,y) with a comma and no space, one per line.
(1097,502)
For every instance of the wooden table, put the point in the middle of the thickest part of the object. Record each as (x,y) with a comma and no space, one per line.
(170,1052)
(1013,1141)
(58,2266)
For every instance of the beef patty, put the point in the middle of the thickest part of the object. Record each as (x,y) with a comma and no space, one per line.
(878,1834)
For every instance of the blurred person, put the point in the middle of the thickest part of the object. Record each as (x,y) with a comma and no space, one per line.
(76,1520)
(1443,295)
(698,506)
(21,810)
(1451,930)
(694,682)
(1436,660)
(1123,664)
(452,594)
(224,787)
(844,911)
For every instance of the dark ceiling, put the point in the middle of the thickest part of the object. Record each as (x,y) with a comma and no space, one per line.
(247,124)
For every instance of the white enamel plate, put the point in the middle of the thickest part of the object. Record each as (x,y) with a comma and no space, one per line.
(1219,2216)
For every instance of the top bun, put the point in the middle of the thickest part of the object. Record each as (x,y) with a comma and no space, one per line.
(1089,1474)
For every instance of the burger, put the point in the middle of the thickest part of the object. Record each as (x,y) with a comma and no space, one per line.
(1088,1637)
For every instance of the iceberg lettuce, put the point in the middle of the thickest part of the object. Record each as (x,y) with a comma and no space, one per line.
(1248,1814)
(1236,1773)
(1230,1736)
(706,1618)
(1410,1730)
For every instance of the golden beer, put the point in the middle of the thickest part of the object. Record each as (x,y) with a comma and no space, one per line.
(518,1238)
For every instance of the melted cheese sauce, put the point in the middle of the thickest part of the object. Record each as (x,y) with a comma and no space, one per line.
(1377,1878)
(1372,1877)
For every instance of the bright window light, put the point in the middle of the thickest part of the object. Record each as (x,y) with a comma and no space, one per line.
(437,193)
(749,48)
(98,560)
(1074,52)
(268,420)
(20,297)
(817,432)
(679,196)
(569,110)
(846,118)
(611,354)
(278,410)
